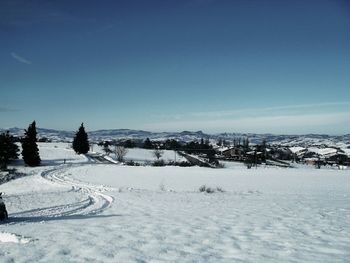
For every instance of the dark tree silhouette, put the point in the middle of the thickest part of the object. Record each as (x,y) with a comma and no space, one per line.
(8,149)
(30,150)
(80,141)
(148,144)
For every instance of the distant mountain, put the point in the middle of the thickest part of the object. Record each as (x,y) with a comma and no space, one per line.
(185,136)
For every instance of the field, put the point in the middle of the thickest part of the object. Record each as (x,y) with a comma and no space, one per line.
(87,212)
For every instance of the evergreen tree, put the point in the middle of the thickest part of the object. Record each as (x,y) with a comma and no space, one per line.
(129,144)
(8,149)
(246,144)
(80,141)
(172,144)
(148,144)
(220,143)
(30,150)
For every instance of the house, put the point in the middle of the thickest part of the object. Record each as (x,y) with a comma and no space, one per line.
(337,158)
(298,152)
(280,153)
(326,155)
(236,153)
(255,157)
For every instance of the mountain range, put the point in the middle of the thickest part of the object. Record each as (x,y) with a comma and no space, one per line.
(185,136)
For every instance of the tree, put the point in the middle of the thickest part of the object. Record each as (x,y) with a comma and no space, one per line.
(220,142)
(80,141)
(148,144)
(158,153)
(8,149)
(106,148)
(263,149)
(30,150)
(172,144)
(120,153)
(246,144)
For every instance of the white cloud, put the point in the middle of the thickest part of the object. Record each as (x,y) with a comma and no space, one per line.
(20,59)
(329,123)
(269,109)
(299,109)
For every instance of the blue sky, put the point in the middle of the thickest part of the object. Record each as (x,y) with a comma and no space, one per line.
(173,65)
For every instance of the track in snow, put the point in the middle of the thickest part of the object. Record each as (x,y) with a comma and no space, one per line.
(98,158)
(96,201)
(82,199)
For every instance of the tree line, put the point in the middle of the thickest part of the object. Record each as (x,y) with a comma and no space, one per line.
(9,150)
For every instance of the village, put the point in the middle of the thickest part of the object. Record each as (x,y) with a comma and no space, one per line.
(218,153)
(285,156)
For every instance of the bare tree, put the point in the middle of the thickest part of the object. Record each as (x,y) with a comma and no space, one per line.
(120,152)
(158,153)
(106,148)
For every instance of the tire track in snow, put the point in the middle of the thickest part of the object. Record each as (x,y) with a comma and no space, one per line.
(96,201)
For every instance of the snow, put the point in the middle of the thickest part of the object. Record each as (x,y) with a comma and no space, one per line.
(296,149)
(85,212)
(323,151)
(144,155)
(8,237)
(56,153)
(347,151)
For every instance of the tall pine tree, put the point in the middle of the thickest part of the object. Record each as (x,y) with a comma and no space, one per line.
(81,142)
(30,150)
(8,149)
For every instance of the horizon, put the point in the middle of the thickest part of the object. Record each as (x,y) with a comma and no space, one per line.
(263,67)
(181,131)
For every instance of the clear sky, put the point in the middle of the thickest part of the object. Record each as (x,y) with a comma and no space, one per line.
(173,65)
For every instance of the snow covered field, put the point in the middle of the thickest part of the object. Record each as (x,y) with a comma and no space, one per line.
(144,156)
(86,212)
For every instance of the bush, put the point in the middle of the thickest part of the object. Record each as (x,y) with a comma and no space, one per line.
(210,190)
(158,163)
(181,164)
(219,189)
(131,163)
(202,188)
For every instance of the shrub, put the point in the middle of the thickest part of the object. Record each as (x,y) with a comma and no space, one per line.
(158,163)
(181,164)
(219,189)
(210,190)
(132,163)
(202,188)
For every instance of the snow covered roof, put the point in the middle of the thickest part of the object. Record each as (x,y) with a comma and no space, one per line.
(296,149)
(323,151)
(253,152)
(312,159)
(222,149)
